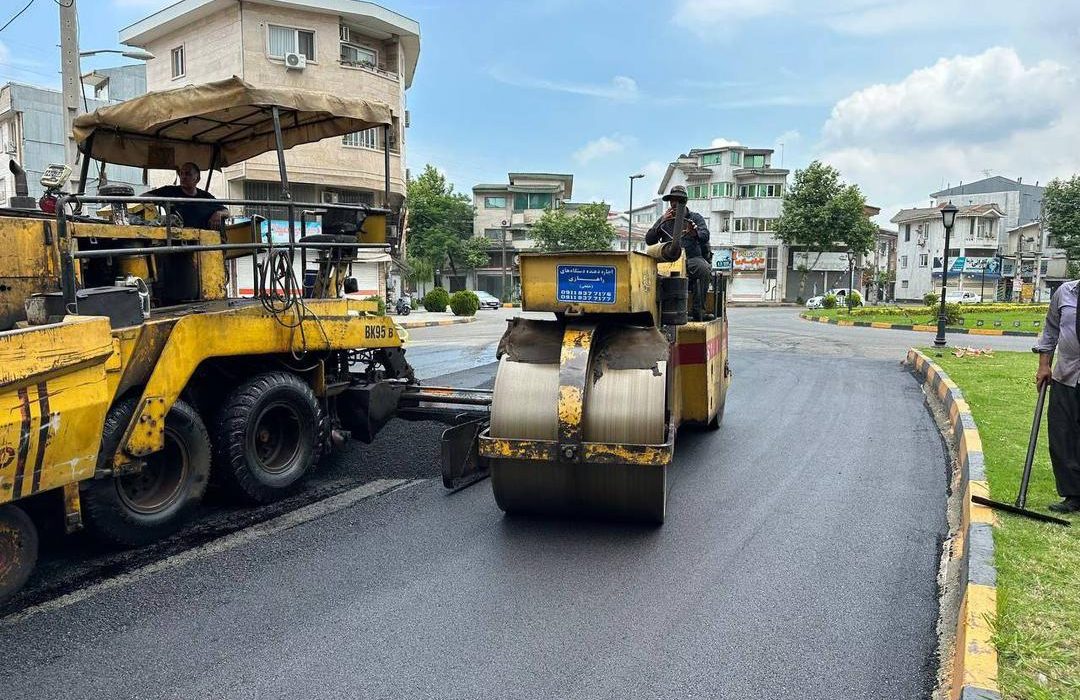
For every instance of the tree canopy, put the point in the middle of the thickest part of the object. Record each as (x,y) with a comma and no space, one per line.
(441,226)
(1061,214)
(822,213)
(587,228)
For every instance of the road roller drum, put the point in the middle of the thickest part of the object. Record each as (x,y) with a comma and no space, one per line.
(586,406)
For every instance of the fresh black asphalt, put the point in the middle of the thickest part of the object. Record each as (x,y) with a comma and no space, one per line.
(799,560)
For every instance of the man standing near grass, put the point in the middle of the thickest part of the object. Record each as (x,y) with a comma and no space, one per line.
(1061,337)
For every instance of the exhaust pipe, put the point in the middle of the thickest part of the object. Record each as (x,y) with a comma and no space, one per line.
(22,198)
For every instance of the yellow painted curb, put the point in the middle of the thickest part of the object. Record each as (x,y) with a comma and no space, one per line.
(985,331)
(974,658)
(930,329)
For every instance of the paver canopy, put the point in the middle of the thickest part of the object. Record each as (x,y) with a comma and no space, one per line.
(220,123)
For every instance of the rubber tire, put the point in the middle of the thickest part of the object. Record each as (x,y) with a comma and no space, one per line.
(234,462)
(107,514)
(18,537)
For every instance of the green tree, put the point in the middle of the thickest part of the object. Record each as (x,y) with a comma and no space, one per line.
(1061,216)
(822,213)
(587,228)
(441,224)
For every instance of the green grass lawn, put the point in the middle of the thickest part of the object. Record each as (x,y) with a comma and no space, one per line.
(1038,627)
(971,317)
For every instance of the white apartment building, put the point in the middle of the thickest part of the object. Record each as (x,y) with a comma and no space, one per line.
(973,250)
(1019,205)
(740,195)
(509,210)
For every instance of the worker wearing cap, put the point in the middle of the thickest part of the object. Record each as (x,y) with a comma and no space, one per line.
(695,243)
(1061,337)
(194,214)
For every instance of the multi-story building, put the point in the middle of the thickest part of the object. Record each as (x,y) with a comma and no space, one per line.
(740,195)
(1018,205)
(507,212)
(344,47)
(973,250)
(32,127)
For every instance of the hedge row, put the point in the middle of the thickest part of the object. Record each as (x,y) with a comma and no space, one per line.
(924,310)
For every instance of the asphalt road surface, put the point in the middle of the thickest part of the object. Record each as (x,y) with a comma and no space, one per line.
(799,559)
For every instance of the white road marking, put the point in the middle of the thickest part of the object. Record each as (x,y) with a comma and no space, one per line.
(281,523)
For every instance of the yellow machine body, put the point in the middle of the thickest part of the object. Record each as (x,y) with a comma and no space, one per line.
(54,394)
(59,380)
(586,407)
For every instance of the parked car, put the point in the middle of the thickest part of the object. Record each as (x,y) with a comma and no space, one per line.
(815,302)
(839,292)
(487,301)
(963,298)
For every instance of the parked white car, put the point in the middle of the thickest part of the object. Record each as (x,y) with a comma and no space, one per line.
(815,302)
(963,298)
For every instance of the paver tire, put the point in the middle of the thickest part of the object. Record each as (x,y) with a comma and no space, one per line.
(139,508)
(270,431)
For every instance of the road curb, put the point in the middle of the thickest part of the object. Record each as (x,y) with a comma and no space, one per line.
(915,327)
(441,322)
(974,657)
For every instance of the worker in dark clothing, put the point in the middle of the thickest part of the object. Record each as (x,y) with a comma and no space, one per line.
(194,214)
(1061,336)
(695,243)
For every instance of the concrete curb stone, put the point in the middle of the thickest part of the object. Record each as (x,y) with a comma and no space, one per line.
(974,658)
(916,327)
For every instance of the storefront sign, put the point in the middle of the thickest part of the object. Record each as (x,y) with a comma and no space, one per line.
(821,262)
(748,259)
(722,259)
(279,230)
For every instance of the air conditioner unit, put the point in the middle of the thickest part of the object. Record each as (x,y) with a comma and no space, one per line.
(343,33)
(329,197)
(295,61)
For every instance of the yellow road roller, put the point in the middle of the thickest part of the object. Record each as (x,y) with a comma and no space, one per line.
(586,406)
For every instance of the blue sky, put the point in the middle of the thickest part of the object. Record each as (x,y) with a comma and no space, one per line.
(903,97)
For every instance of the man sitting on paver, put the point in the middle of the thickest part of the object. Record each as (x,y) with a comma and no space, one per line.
(1061,336)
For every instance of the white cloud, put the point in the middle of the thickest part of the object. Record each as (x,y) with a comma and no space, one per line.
(871,17)
(621,88)
(601,147)
(953,121)
(721,142)
(990,94)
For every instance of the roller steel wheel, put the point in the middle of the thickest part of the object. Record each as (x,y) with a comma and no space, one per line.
(139,508)
(18,550)
(622,406)
(269,433)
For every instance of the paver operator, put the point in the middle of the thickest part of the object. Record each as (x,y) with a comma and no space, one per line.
(1061,337)
(195,214)
(695,243)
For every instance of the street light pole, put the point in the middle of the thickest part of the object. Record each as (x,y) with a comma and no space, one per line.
(630,213)
(504,229)
(948,217)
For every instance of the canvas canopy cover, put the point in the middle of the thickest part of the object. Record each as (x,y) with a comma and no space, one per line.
(220,123)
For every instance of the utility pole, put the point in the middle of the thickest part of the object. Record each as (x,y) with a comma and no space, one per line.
(69,72)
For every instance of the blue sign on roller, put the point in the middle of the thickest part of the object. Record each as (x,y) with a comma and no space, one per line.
(586,284)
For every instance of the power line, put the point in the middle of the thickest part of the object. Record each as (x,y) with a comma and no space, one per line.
(25,8)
